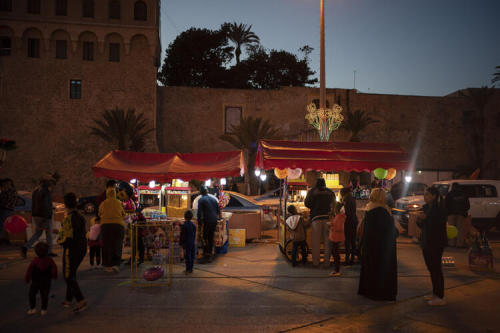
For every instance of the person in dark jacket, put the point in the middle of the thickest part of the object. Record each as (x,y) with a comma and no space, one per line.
(41,214)
(378,279)
(350,225)
(208,213)
(432,222)
(72,237)
(321,201)
(188,241)
(297,227)
(457,206)
(8,198)
(40,272)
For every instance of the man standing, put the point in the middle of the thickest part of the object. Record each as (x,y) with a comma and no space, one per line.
(41,214)
(208,213)
(350,225)
(457,206)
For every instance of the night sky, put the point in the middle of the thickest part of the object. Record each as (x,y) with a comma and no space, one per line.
(425,47)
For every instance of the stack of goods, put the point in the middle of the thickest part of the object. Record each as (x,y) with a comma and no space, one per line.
(480,255)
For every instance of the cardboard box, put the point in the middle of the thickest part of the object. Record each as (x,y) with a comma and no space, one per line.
(249,221)
(237,237)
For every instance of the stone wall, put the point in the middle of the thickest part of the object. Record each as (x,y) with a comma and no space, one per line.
(51,130)
(432,129)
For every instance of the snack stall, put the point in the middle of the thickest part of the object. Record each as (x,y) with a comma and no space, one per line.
(289,158)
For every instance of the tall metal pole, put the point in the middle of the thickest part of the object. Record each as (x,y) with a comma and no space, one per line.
(322,92)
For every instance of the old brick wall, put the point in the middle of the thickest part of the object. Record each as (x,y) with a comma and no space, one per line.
(51,130)
(432,129)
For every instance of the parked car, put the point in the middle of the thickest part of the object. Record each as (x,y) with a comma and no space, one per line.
(24,204)
(242,203)
(88,204)
(483,197)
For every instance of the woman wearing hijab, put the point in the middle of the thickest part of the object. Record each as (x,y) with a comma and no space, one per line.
(378,278)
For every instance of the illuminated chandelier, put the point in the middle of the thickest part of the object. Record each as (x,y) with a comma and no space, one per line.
(324,120)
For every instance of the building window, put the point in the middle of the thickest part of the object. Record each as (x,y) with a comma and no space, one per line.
(114,9)
(140,11)
(61,7)
(114,52)
(75,89)
(61,49)
(5,46)
(5,5)
(232,116)
(34,6)
(33,47)
(88,8)
(88,51)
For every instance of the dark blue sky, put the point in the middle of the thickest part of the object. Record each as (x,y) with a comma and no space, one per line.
(412,47)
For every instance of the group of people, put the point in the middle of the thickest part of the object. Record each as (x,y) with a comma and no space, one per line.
(373,241)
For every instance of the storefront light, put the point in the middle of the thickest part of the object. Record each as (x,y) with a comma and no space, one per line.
(257,172)
(223,181)
(208,182)
(152,184)
(408,179)
(263,177)
(133,181)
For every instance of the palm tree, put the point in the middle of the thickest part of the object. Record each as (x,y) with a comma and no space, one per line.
(355,122)
(126,130)
(246,136)
(240,34)
(496,76)
(479,97)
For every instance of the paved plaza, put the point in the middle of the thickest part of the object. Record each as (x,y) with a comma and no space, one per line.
(254,289)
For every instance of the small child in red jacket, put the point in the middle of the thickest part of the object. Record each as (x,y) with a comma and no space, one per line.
(40,271)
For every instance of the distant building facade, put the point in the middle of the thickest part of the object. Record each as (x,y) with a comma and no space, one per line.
(62,63)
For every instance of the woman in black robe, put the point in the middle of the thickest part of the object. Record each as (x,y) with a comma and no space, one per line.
(378,279)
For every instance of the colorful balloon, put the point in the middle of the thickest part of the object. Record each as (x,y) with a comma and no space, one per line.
(15,224)
(294,173)
(380,173)
(451,231)
(153,273)
(391,173)
(280,173)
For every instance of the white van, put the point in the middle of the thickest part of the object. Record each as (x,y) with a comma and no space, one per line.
(484,197)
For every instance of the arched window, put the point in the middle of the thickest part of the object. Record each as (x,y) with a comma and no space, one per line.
(88,8)
(114,9)
(61,7)
(140,11)
(33,6)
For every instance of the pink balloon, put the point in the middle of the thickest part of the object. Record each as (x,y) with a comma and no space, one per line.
(15,224)
(153,273)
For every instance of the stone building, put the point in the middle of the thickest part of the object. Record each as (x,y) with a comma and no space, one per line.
(434,130)
(62,63)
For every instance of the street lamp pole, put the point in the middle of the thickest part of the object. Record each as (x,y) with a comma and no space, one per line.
(322,91)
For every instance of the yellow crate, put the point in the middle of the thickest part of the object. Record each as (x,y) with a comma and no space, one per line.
(237,237)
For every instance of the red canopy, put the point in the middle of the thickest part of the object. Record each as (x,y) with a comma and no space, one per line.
(331,156)
(162,168)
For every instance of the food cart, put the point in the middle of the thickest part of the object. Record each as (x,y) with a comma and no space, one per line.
(325,157)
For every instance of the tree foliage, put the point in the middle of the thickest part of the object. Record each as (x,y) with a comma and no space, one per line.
(496,75)
(199,58)
(246,136)
(240,35)
(196,58)
(124,130)
(356,122)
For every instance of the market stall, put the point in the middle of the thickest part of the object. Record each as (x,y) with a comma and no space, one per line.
(326,157)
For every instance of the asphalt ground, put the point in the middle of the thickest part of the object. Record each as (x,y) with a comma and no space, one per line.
(254,289)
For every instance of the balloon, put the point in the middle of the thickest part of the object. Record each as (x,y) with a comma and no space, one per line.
(280,173)
(153,273)
(294,173)
(380,173)
(451,231)
(391,173)
(15,224)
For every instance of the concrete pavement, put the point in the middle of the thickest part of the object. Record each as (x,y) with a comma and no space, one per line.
(254,289)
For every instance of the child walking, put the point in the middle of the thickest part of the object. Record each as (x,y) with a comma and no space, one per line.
(95,243)
(188,234)
(72,238)
(40,271)
(336,237)
(297,227)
